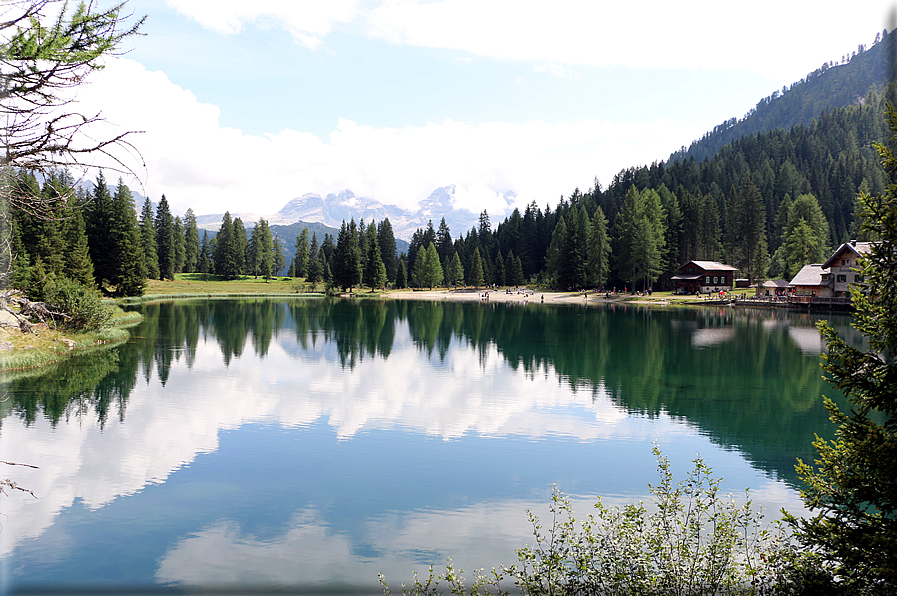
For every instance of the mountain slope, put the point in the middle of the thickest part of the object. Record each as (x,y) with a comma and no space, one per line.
(828,87)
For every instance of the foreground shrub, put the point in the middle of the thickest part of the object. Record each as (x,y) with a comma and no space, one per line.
(692,541)
(79,307)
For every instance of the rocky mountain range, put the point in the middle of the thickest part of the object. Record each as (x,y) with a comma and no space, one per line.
(332,209)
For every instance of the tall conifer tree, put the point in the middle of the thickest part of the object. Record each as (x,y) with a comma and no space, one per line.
(599,249)
(148,240)
(128,273)
(165,241)
(99,232)
(347,258)
(375,270)
(240,248)
(191,243)
(78,265)
(301,260)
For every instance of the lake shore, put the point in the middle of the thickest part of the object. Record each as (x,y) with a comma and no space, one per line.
(537,297)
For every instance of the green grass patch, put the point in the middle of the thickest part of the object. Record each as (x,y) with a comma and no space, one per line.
(191,284)
(46,346)
(33,351)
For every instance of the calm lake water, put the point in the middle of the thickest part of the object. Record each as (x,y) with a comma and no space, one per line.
(283,443)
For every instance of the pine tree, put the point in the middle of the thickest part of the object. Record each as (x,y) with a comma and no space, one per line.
(224,255)
(572,264)
(672,250)
(301,260)
(375,270)
(804,235)
(165,242)
(554,256)
(431,274)
(328,248)
(180,254)
(444,241)
(853,486)
(316,261)
(128,273)
(148,240)
(38,280)
(475,277)
(78,265)
(280,259)
(419,276)
(240,248)
(401,275)
(347,258)
(455,274)
(640,237)
(99,232)
(205,256)
(387,242)
(261,250)
(499,268)
(51,241)
(516,270)
(599,250)
(191,243)
(745,227)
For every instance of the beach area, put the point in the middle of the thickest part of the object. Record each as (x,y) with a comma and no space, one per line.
(523,296)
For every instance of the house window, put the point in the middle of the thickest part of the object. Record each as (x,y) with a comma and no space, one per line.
(707,282)
(858,279)
(715,280)
(842,278)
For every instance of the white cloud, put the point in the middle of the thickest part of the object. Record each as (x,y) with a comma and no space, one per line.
(198,163)
(658,34)
(653,34)
(309,21)
(307,550)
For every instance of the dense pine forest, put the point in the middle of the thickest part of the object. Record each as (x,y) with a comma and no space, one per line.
(764,199)
(766,203)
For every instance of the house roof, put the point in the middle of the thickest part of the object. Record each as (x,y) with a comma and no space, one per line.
(854,248)
(712,266)
(775,283)
(688,276)
(809,275)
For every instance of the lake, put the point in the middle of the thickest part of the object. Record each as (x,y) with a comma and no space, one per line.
(308,442)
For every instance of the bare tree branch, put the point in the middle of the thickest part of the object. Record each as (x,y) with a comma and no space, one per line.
(47,50)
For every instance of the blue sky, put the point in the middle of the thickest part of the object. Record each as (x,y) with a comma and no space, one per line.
(246,105)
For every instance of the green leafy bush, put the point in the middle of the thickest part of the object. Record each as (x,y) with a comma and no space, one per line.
(692,541)
(80,307)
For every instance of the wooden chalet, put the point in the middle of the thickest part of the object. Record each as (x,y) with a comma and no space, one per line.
(811,281)
(842,266)
(704,277)
(773,288)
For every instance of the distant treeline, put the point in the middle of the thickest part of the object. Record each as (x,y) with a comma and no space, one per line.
(97,239)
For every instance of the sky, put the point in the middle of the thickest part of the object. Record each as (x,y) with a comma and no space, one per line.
(245,105)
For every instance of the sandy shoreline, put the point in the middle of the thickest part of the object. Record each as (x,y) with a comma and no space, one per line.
(528,297)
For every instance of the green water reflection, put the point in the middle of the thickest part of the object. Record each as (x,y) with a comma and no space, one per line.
(748,379)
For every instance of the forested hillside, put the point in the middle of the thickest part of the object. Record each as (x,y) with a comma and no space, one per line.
(765,203)
(836,84)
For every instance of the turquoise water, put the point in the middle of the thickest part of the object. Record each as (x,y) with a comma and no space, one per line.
(298,443)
